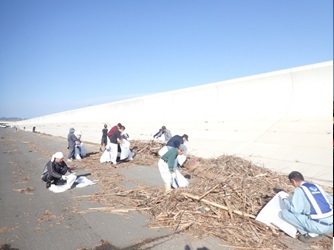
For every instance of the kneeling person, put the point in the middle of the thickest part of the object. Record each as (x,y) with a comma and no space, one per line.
(55,170)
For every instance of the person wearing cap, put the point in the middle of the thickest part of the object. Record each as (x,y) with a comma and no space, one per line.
(55,170)
(176,141)
(72,141)
(166,165)
(165,132)
(310,209)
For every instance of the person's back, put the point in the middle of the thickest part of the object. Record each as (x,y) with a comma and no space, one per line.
(168,135)
(175,141)
(113,129)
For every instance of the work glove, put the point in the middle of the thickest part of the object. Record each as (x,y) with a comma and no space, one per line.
(174,175)
(63,177)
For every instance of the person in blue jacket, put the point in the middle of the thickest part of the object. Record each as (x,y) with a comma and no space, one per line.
(176,141)
(310,210)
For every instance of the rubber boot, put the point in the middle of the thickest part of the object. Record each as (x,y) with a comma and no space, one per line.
(168,187)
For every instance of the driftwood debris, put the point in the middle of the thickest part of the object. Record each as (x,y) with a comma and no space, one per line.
(223,198)
(217,205)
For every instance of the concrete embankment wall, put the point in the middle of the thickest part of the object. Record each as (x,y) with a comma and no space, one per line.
(280,120)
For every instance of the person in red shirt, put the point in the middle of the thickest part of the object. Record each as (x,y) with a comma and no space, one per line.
(113,129)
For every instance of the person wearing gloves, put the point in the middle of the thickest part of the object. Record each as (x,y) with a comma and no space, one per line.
(165,132)
(166,165)
(310,209)
(55,170)
(72,142)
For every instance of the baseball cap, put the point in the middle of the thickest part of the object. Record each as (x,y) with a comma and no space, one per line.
(183,148)
(185,136)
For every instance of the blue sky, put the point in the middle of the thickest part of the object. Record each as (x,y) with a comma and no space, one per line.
(58,55)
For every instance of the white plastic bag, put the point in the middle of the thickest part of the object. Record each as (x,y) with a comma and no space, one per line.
(163,150)
(62,188)
(83,182)
(180,180)
(269,215)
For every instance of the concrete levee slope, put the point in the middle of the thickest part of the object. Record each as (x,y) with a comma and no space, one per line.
(281,120)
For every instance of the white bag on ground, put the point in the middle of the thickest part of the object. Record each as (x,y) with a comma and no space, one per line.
(180,180)
(270,215)
(62,188)
(106,156)
(83,182)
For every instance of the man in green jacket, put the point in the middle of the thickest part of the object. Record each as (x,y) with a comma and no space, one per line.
(166,165)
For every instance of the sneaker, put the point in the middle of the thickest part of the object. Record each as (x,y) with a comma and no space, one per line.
(69,160)
(306,238)
(48,184)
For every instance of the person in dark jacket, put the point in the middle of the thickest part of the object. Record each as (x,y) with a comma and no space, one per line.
(72,141)
(113,129)
(104,139)
(176,141)
(55,170)
(115,141)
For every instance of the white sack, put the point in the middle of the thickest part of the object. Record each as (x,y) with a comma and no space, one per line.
(71,178)
(125,149)
(106,156)
(270,215)
(62,188)
(163,150)
(180,180)
(83,182)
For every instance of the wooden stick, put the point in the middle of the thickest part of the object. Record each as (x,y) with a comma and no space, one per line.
(229,209)
(208,191)
(111,210)
(217,205)
(143,148)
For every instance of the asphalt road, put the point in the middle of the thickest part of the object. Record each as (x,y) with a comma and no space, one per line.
(34,218)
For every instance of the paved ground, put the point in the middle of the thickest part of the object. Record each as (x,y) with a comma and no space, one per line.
(33,218)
